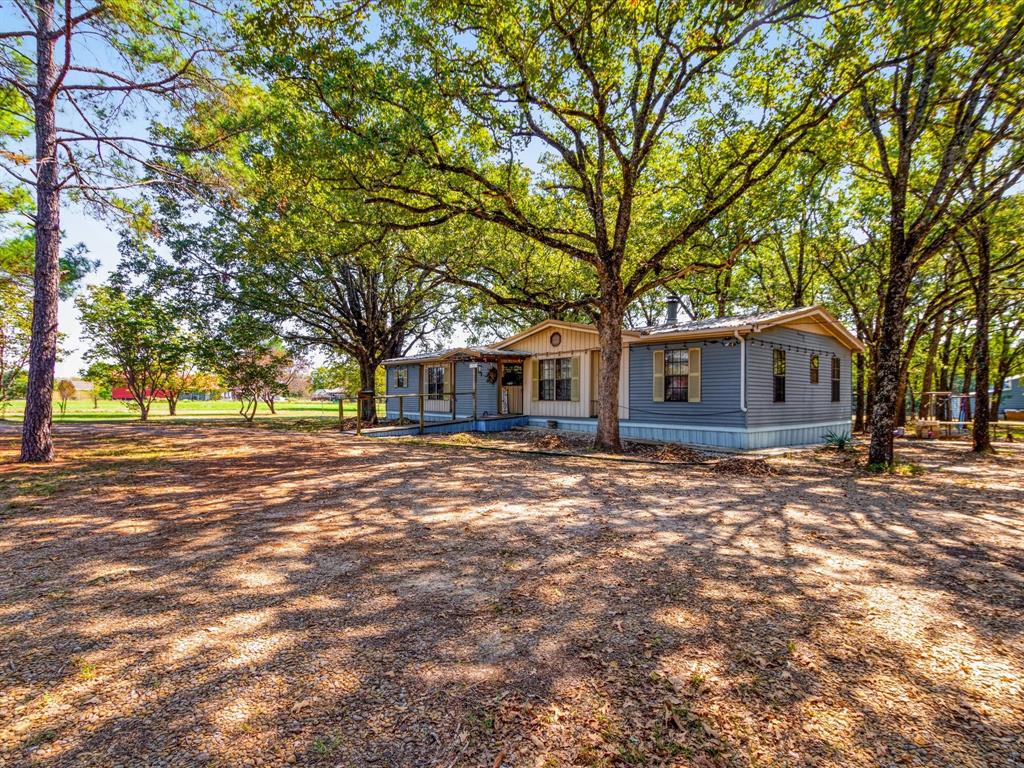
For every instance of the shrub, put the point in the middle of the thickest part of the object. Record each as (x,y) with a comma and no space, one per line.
(842,441)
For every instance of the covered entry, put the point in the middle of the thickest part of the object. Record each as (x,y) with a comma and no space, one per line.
(511,397)
(464,382)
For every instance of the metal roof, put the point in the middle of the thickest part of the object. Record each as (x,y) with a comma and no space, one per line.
(735,322)
(754,321)
(463,352)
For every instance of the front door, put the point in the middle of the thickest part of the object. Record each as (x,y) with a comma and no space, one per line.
(511,389)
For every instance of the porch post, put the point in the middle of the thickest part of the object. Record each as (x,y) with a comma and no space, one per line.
(422,398)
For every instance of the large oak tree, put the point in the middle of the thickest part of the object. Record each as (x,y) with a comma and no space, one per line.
(607,135)
(951,101)
(263,228)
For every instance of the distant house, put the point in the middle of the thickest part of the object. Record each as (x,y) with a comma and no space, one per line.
(1012,396)
(83,390)
(203,395)
(750,382)
(329,395)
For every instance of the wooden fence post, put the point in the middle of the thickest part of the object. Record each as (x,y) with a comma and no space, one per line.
(422,396)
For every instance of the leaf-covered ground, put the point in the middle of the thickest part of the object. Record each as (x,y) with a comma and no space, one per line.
(175,596)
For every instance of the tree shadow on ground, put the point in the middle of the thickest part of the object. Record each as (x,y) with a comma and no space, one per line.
(176,596)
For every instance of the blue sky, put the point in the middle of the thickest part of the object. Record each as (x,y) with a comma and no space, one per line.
(80,227)
(77,225)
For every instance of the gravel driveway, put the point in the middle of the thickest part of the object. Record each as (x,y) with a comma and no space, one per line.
(214,596)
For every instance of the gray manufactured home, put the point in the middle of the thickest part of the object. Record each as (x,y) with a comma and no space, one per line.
(757,381)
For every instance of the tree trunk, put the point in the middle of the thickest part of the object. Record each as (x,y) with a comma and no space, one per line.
(901,399)
(722,299)
(951,379)
(858,421)
(268,398)
(982,436)
(869,397)
(929,363)
(609,331)
(172,406)
(368,383)
(1002,371)
(36,435)
(244,410)
(947,369)
(968,373)
(890,352)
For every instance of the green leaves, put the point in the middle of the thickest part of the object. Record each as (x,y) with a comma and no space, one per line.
(606,135)
(133,330)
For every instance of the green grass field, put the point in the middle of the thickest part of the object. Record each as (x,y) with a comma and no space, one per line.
(114,410)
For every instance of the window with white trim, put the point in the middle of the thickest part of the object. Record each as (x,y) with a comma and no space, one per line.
(401,376)
(778,375)
(677,375)
(555,379)
(435,382)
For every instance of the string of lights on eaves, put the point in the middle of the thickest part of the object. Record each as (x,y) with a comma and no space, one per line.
(733,343)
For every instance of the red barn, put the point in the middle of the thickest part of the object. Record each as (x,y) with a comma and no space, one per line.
(123,393)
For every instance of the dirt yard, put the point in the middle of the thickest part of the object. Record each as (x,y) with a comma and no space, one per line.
(189,596)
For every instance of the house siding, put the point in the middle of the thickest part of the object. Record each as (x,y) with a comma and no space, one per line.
(391,377)
(806,403)
(574,340)
(720,387)
(410,406)
(718,438)
(1013,398)
(557,408)
(719,420)
(487,394)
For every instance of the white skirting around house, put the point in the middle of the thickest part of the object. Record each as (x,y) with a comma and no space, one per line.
(436,416)
(440,427)
(728,438)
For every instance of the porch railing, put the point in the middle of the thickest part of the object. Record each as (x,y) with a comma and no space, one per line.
(419,402)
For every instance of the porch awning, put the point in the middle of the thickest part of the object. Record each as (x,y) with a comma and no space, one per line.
(459,353)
